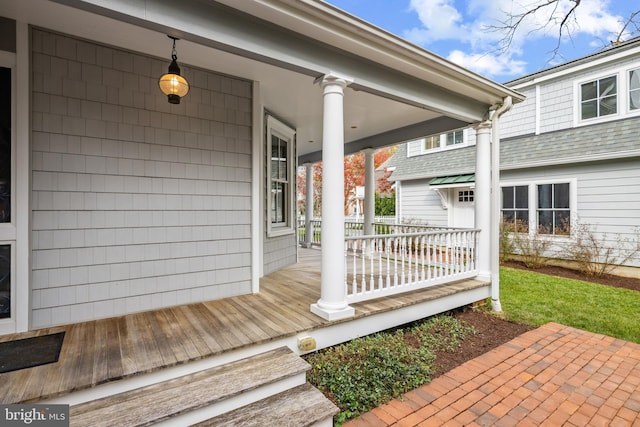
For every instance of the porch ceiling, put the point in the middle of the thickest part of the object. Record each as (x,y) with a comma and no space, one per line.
(384,106)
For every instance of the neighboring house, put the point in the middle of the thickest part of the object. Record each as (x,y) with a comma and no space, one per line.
(570,153)
(115,202)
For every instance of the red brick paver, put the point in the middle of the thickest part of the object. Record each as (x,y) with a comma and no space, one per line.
(554,375)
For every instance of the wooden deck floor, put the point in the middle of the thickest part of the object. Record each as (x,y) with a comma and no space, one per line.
(100,351)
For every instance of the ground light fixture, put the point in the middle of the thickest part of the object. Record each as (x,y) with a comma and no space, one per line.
(172,83)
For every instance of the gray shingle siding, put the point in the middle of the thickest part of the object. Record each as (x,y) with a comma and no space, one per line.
(137,204)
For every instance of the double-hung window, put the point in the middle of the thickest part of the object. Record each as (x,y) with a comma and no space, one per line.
(599,98)
(554,213)
(547,212)
(515,208)
(634,90)
(281,178)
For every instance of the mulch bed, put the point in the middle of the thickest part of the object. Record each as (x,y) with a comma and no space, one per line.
(492,331)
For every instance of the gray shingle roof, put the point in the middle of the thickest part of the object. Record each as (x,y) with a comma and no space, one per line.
(603,141)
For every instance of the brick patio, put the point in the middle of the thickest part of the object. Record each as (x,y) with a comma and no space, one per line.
(554,375)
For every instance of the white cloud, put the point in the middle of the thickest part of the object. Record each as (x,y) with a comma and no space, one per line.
(441,20)
(488,64)
(468,23)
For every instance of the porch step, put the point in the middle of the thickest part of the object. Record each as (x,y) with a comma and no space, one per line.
(302,406)
(198,396)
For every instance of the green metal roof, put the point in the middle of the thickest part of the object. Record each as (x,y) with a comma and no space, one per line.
(457,179)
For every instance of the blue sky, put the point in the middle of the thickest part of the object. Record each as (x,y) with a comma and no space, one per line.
(457,30)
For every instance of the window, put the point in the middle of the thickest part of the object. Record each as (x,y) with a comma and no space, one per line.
(554,213)
(5,281)
(5,145)
(443,141)
(7,230)
(634,89)
(515,208)
(281,168)
(454,138)
(599,98)
(465,196)
(431,142)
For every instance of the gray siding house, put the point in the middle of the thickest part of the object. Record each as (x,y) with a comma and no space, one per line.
(570,153)
(157,231)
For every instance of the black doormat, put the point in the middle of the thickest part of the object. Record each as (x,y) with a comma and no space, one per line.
(30,352)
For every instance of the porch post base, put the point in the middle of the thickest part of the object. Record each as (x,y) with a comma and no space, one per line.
(495,305)
(333,314)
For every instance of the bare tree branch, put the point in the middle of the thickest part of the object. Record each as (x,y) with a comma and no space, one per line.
(566,23)
(630,22)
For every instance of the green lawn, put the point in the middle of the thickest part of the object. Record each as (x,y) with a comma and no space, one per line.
(536,299)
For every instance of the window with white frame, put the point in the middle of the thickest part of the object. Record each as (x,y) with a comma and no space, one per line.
(431,142)
(599,98)
(281,178)
(443,141)
(550,214)
(515,208)
(454,138)
(554,209)
(634,89)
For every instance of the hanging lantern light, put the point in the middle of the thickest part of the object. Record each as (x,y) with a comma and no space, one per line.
(172,83)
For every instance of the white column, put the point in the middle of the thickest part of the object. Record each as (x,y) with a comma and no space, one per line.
(332,304)
(369,191)
(308,208)
(23,178)
(496,203)
(482,198)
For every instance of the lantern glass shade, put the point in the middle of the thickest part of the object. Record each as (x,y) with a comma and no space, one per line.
(173,85)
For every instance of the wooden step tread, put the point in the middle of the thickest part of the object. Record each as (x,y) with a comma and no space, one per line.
(301,406)
(166,399)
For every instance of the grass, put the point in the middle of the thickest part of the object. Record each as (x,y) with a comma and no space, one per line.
(367,372)
(536,299)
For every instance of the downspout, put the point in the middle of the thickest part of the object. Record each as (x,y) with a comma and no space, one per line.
(495,202)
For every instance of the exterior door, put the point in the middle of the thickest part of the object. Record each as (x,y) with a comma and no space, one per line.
(463,207)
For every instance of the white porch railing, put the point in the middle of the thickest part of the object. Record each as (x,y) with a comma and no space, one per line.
(356,229)
(382,265)
(302,231)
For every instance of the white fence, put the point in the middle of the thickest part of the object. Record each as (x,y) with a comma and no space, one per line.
(383,265)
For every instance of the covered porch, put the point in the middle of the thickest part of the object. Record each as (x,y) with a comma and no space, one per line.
(104,357)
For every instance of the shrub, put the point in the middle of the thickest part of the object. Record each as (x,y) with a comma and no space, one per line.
(592,253)
(506,245)
(367,372)
(385,205)
(533,248)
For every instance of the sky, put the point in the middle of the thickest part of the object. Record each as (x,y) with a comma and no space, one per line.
(461,30)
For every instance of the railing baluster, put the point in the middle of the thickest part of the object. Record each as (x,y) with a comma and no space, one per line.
(379,255)
(363,281)
(387,251)
(355,271)
(396,248)
(403,247)
(422,260)
(372,271)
